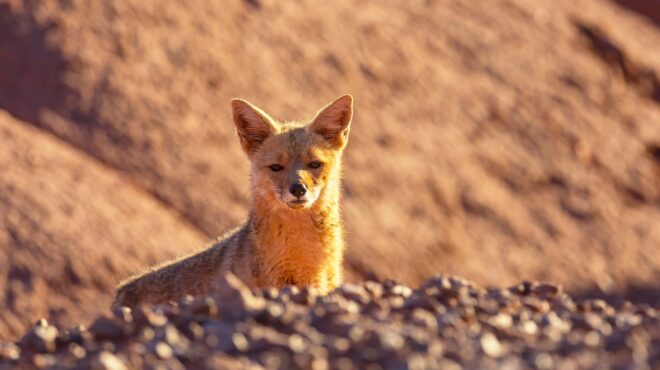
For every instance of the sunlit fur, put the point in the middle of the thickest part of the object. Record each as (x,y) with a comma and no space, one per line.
(280,243)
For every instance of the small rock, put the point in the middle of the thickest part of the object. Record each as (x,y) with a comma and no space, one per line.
(9,351)
(163,350)
(501,320)
(145,315)
(401,290)
(374,288)
(240,342)
(77,351)
(439,281)
(524,288)
(78,334)
(204,306)
(40,338)
(491,345)
(547,290)
(535,304)
(235,299)
(306,296)
(43,361)
(123,313)
(421,302)
(353,292)
(424,318)
(109,329)
(296,343)
(109,361)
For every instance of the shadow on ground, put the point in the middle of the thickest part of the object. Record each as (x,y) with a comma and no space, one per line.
(647,8)
(636,294)
(24,52)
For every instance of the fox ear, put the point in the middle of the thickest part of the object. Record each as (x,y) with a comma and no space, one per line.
(253,125)
(333,122)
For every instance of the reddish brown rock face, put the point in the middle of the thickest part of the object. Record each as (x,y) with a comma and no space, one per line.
(504,142)
(61,258)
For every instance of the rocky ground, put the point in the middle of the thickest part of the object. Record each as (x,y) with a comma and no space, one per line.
(446,323)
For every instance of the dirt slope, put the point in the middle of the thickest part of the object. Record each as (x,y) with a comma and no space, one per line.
(501,141)
(59,256)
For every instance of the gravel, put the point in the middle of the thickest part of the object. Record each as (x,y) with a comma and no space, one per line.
(447,323)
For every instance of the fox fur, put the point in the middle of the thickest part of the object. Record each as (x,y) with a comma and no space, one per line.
(293,234)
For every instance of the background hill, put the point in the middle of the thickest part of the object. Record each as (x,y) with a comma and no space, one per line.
(499,140)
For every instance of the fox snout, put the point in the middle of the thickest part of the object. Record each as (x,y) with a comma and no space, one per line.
(297,179)
(299,194)
(298,190)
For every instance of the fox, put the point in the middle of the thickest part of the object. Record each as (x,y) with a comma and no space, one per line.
(293,234)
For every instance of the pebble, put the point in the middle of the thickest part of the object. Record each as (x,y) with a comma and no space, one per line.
(105,328)
(491,345)
(9,351)
(41,338)
(109,361)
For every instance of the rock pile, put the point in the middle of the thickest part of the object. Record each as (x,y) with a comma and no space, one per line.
(446,323)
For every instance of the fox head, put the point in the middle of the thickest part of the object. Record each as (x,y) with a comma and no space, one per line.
(293,164)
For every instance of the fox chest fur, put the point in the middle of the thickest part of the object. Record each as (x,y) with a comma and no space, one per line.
(303,250)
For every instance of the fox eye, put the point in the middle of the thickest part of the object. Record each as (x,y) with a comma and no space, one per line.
(315,164)
(276,167)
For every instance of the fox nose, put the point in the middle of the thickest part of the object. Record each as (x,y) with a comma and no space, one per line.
(298,190)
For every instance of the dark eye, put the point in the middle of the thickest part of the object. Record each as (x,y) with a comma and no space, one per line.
(315,164)
(276,167)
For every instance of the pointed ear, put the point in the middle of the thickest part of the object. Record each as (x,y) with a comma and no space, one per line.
(333,122)
(253,125)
